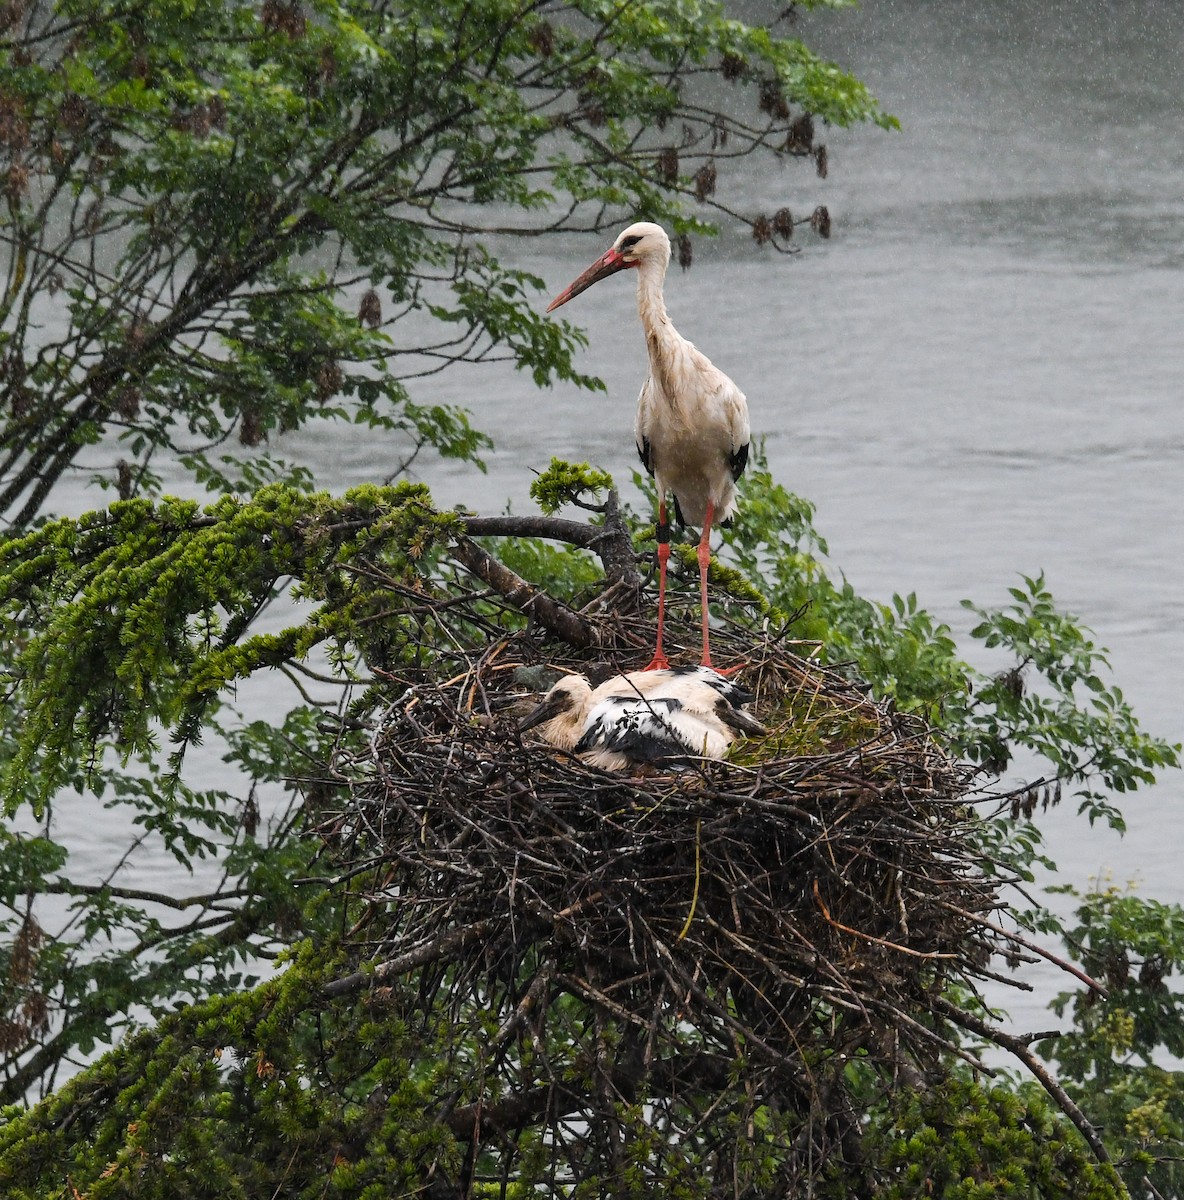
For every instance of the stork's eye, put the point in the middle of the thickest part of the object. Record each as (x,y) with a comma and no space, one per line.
(629,242)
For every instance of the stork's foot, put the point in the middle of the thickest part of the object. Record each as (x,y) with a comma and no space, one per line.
(726,672)
(657,663)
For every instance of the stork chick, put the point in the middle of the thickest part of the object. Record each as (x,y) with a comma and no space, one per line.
(658,716)
(692,427)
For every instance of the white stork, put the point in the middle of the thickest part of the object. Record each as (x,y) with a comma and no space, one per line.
(659,716)
(692,420)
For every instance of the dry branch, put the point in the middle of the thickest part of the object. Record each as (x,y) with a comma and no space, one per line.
(550,613)
(1019,1047)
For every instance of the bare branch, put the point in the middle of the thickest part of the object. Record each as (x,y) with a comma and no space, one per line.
(563,622)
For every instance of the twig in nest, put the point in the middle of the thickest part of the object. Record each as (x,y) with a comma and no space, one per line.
(871,937)
(1019,939)
(695,893)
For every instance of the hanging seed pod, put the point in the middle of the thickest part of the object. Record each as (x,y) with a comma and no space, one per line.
(278,16)
(783,223)
(329,378)
(35,1010)
(370,310)
(592,110)
(124,480)
(542,39)
(326,65)
(14,129)
(20,401)
(1117,968)
(74,113)
(250,817)
(216,107)
(135,333)
(139,67)
(820,221)
(93,217)
(762,230)
(127,403)
(250,430)
(801,135)
(772,100)
(996,761)
(25,952)
(16,181)
(10,14)
(1152,971)
(668,164)
(1012,683)
(704,180)
(820,161)
(685,252)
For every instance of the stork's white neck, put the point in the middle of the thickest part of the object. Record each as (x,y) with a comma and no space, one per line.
(650,305)
(662,341)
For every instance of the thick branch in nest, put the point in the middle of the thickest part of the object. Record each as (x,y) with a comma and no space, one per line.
(610,541)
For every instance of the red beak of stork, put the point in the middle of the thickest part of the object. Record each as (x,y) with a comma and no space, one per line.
(609,263)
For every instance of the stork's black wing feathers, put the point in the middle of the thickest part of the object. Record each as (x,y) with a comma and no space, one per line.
(637,729)
(728,688)
(645,453)
(738,720)
(738,460)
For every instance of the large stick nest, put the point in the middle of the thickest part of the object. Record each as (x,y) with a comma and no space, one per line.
(823,877)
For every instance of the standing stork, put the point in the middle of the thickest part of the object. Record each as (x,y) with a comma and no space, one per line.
(692,420)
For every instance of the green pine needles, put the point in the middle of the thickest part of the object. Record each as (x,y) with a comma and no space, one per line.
(143,611)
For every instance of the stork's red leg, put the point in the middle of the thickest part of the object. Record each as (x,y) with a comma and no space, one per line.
(658,662)
(704,560)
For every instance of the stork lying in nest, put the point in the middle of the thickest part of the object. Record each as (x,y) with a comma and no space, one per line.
(645,717)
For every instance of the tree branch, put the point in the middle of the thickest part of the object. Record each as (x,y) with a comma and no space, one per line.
(552,614)
(1019,939)
(1019,1048)
(416,957)
(611,541)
